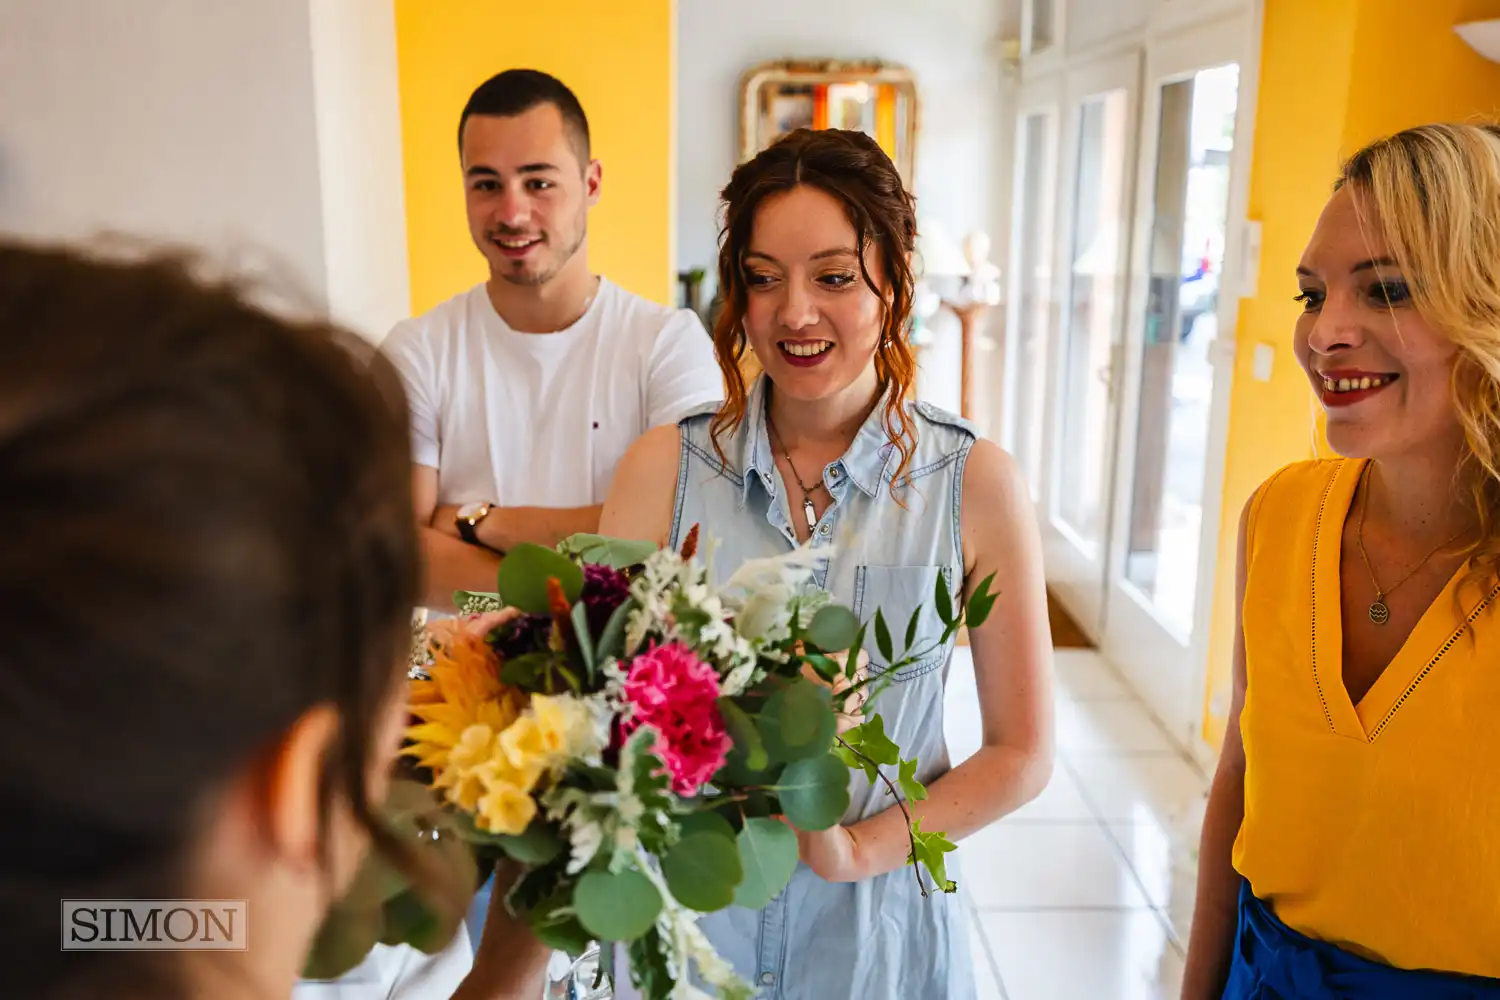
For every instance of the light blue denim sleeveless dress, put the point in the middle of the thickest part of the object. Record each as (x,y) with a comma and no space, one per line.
(877,939)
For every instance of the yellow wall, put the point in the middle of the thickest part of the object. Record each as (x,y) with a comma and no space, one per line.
(618,56)
(1335,74)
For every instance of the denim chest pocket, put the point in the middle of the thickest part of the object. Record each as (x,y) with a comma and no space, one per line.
(897,591)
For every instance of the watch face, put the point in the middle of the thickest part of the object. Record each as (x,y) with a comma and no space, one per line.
(469,511)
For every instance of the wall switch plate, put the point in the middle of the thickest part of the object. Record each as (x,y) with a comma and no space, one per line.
(1265,358)
(1249,283)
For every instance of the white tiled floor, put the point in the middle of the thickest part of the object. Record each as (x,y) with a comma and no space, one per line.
(1086,893)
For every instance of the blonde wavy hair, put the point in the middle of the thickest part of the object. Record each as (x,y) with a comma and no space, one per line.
(1437,190)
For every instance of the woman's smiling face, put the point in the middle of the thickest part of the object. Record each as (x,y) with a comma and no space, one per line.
(811,319)
(1381,370)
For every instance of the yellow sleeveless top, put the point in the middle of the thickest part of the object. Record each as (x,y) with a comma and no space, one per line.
(1373,827)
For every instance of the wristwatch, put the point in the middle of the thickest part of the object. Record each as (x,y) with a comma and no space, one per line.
(467,519)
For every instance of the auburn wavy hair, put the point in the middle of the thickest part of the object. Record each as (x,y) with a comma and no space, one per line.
(852,168)
(1436,189)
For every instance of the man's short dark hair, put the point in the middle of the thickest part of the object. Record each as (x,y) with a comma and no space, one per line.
(517,91)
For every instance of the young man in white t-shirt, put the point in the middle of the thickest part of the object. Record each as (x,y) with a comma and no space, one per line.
(526,391)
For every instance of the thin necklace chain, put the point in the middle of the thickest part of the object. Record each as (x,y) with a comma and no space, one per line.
(808,510)
(1380,612)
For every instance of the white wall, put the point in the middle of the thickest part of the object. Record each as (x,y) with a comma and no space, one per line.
(212,122)
(359,149)
(177,119)
(963,157)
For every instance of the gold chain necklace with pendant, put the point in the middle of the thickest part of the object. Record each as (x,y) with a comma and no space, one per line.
(1380,612)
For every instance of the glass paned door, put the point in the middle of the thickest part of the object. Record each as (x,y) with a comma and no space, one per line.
(1092,264)
(1184,270)
(1032,295)
(1096,274)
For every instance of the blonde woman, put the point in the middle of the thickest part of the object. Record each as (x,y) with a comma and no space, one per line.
(1350,848)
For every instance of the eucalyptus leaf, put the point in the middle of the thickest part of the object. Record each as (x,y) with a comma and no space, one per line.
(768,852)
(833,628)
(746,737)
(602,550)
(707,822)
(538,844)
(814,792)
(343,941)
(523,576)
(703,870)
(798,721)
(616,906)
(408,920)
(563,932)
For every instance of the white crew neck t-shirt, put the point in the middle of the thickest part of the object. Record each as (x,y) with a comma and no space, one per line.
(541,420)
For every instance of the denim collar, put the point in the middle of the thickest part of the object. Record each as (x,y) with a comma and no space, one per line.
(867,463)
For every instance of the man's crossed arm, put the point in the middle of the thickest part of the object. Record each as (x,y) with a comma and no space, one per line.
(450,563)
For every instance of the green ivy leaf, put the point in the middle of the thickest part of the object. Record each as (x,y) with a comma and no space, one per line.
(913,789)
(883,637)
(522,580)
(746,737)
(929,850)
(814,792)
(768,850)
(855,762)
(869,738)
(944,599)
(833,628)
(616,906)
(702,871)
(798,721)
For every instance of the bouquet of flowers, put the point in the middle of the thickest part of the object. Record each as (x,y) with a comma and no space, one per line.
(635,737)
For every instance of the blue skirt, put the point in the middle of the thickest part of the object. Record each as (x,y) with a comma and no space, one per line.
(1274,962)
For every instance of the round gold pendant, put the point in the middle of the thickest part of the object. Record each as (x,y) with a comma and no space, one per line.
(1379,613)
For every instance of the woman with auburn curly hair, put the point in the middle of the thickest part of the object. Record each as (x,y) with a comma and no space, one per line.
(1349,846)
(827,449)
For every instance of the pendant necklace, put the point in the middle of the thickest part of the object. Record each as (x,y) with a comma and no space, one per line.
(808,510)
(1380,612)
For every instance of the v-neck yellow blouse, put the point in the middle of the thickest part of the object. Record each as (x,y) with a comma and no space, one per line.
(1374,827)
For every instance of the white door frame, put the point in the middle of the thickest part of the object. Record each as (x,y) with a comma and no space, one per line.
(1040,97)
(1078,580)
(1170,674)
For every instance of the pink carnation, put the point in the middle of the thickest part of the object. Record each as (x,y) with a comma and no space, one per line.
(675,693)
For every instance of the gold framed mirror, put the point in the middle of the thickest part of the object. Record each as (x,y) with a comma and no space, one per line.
(877,98)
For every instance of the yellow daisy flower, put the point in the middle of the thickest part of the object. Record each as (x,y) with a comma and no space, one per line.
(464,691)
